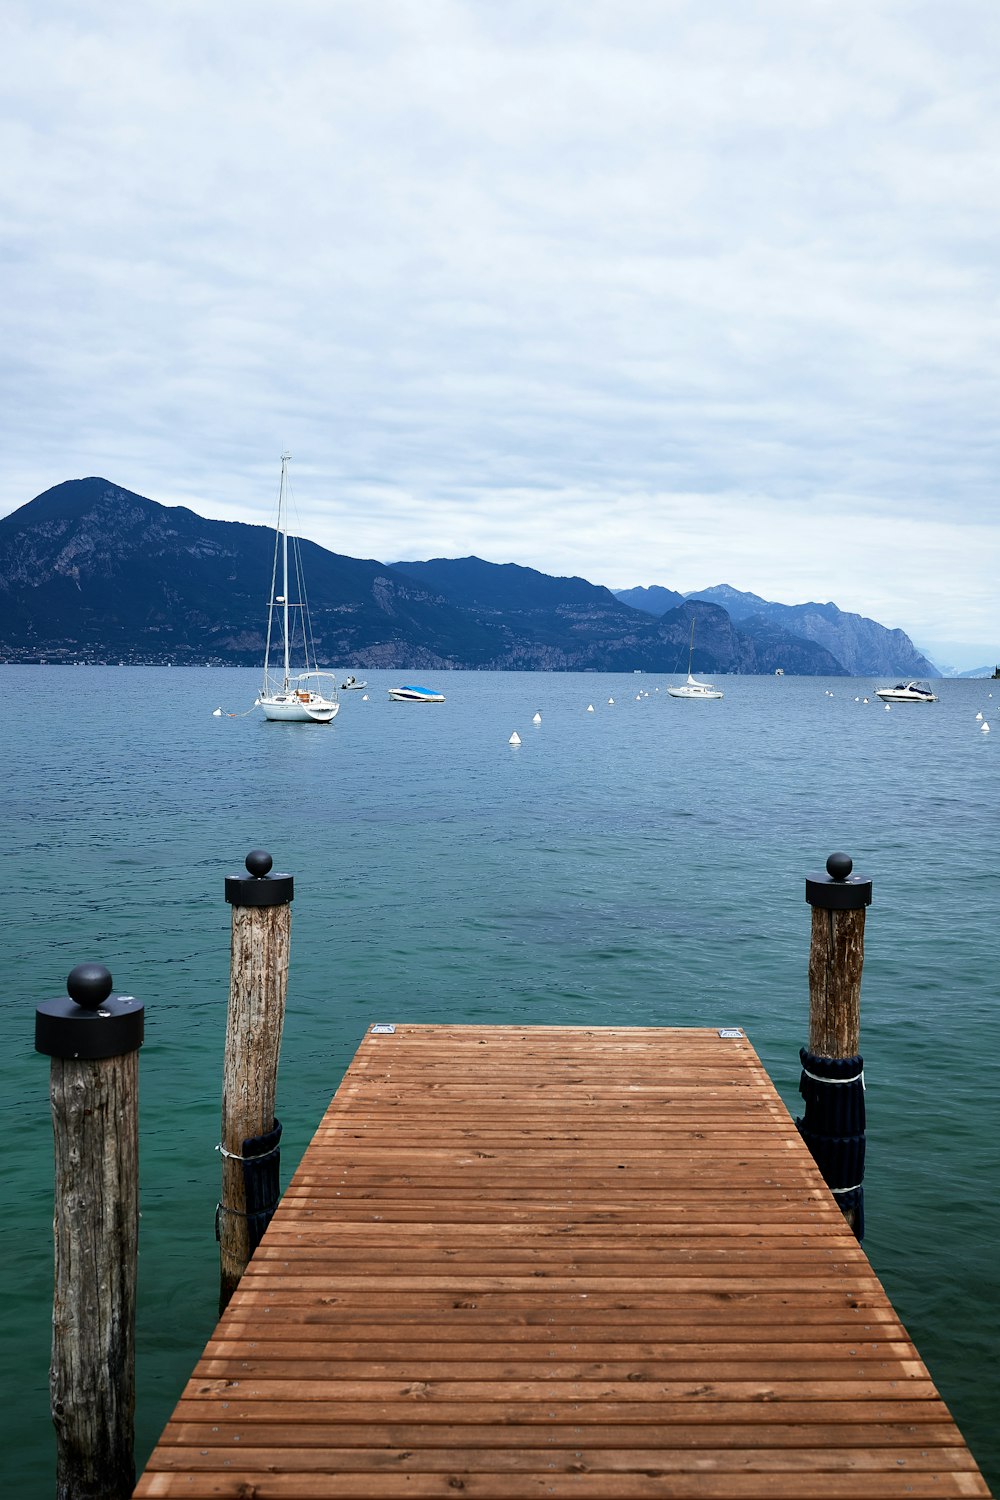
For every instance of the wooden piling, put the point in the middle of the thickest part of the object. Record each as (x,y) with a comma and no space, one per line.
(839,900)
(261,930)
(836,957)
(93,1040)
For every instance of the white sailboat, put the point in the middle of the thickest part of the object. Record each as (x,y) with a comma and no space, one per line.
(308,696)
(693,688)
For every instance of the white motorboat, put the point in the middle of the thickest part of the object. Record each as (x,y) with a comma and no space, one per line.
(693,688)
(351,684)
(413,694)
(309,696)
(906,692)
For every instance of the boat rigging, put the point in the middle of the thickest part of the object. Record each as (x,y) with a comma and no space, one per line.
(309,696)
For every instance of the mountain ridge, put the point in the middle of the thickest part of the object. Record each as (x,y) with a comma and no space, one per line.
(861,645)
(92,571)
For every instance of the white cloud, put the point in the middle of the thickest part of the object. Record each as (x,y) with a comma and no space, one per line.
(587,286)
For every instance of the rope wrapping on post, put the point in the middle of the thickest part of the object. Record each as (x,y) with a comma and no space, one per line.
(261,1163)
(833,1126)
(261,1158)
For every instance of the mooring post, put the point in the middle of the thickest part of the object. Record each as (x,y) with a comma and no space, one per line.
(832,1082)
(261,929)
(93,1038)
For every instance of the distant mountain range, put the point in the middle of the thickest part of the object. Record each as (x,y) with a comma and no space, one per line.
(860,645)
(92,572)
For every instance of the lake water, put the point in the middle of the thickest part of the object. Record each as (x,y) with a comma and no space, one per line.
(643,864)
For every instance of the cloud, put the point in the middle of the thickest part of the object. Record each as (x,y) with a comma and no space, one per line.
(596,287)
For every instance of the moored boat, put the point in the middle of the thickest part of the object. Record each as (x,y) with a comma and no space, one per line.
(414,694)
(309,696)
(906,692)
(693,688)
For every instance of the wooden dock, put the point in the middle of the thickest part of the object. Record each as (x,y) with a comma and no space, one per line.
(559,1261)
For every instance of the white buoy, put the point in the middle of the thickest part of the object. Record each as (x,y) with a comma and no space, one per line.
(888,708)
(515,739)
(217,713)
(986,727)
(864,700)
(537,719)
(979,718)
(364,697)
(590,708)
(611,700)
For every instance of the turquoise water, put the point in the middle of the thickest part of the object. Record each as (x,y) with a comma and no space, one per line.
(641,864)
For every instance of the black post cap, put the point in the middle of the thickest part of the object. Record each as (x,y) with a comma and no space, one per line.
(262,888)
(839,889)
(89,1021)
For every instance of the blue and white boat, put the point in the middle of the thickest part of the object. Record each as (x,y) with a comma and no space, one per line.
(414,694)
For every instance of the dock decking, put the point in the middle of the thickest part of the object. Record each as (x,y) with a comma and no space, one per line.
(559,1261)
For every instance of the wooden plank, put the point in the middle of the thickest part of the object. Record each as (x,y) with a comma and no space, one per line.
(559,1262)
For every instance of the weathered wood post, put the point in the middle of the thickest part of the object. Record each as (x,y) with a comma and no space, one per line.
(261,930)
(93,1038)
(833,1082)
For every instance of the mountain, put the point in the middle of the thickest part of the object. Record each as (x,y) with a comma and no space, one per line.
(654,600)
(657,600)
(541,623)
(475,584)
(568,624)
(90,571)
(733,601)
(720,645)
(862,646)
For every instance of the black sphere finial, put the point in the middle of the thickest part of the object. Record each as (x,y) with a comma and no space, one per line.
(259,862)
(89,985)
(261,886)
(839,866)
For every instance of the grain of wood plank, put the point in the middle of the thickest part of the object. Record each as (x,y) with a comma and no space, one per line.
(697,1413)
(562,1262)
(831,1438)
(570,1479)
(662,1361)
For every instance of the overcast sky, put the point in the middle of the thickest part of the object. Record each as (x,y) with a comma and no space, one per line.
(642,290)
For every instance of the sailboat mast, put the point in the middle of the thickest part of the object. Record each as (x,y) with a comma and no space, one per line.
(283,522)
